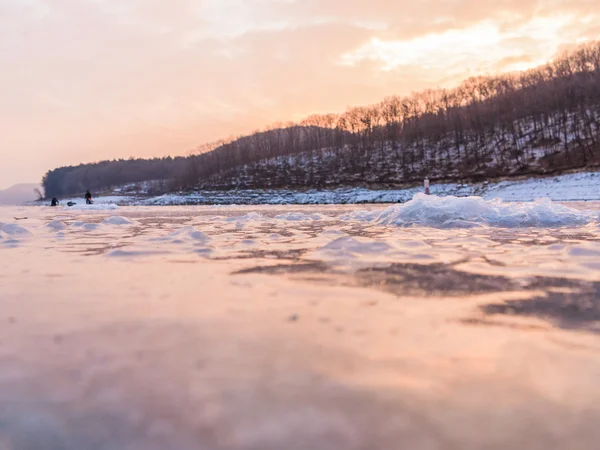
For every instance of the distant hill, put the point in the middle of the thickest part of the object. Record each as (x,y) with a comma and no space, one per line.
(19,194)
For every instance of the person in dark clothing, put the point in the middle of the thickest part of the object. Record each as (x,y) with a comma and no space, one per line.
(88,198)
(54,202)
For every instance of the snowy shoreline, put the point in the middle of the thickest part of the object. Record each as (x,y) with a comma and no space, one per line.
(570,187)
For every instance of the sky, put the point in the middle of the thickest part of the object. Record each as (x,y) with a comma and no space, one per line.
(86,80)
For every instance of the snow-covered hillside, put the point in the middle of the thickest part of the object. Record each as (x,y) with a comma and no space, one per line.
(571,187)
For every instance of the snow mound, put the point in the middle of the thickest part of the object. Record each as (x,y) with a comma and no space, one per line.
(14,230)
(56,225)
(117,220)
(85,226)
(466,212)
(189,234)
(90,227)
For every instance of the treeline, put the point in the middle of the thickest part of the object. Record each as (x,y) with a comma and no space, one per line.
(540,120)
(106,175)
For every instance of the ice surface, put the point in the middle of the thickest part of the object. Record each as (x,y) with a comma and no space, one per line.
(347,246)
(300,217)
(353,251)
(351,332)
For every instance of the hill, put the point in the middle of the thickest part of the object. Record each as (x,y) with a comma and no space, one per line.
(19,194)
(542,121)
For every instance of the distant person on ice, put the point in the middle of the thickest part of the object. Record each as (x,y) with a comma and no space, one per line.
(426,184)
(54,202)
(88,198)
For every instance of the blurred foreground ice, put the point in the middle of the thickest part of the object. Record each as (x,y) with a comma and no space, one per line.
(443,323)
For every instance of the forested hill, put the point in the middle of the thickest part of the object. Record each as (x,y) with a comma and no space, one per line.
(175,173)
(106,175)
(538,121)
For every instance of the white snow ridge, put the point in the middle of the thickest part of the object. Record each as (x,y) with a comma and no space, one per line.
(463,212)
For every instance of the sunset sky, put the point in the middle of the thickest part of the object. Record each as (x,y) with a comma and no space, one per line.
(84,80)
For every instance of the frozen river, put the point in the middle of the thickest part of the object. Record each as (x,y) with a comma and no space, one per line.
(439,324)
